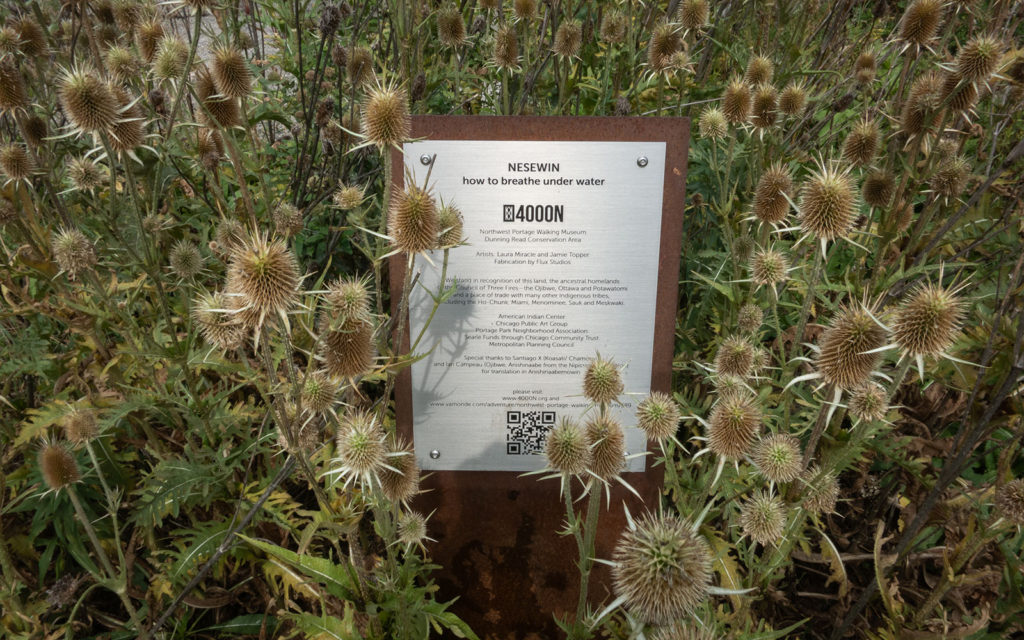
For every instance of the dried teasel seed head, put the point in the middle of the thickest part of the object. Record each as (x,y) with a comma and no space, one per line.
(734,357)
(412,528)
(348,298)
(920,22)
(878,188)
(450,222)
(10,41)
(217,325)
(733,425)
(126,133)
(568,39)
(385,116)
(209,148)
(760,360)
(778,458)
(602,381)
(128,14)
(265,277)
(866,60)
(319,392)
(7,211)
(567,448)
(122,64)
(231,72)
(185,260)
(736,101)
(84,174)
(506,47)
(726,385)
(339,55)
(843,360)
(287,219)
(865,76)
(360,66)
(665,41)
(958,92)
(347,346)
(87,100)
(58,466)
(658,416)
(524,9)
(918,112)
(793,99)
(32,37)
(950,178)
(402,482)
(16,162)
(170,59)
(12,87)
(413,222)
(360,446)
(662,569)
(713,123)
(348,198)
(1010,501)
(614,26)
(73,252)
(80,425)
(759,71)
(228,236)
(763,110)
(869,402)
(769,267)
(771,204)
(821,491)
(928,322)
(861,145)
(330,20)
(148,38)
(749,318)
(223,110)
(693,14)
(763,517)
(451,28)
(828,204)
(607,444)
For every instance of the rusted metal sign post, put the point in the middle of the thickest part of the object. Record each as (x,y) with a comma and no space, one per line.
(574,229)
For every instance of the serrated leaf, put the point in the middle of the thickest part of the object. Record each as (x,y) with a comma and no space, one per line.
(326,627)
(725,566)
(196,545)
(335,577)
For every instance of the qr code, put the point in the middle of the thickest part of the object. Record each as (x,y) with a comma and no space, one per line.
(527,431)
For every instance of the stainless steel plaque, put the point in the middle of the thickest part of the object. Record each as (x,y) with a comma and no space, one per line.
(561,264)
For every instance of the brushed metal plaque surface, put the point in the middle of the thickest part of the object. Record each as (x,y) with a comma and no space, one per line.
(561,263)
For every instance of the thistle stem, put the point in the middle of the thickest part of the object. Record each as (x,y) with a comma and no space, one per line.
(587,558)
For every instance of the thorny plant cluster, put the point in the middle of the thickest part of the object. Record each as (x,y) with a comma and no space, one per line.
(199,355)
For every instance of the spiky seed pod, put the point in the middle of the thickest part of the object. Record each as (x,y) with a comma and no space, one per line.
(348,347)
(726,385)
(16,162)
(567,448)
(1010,501)
(828,204)
(760,360)
(778,458)
(693,14)
(412,528)
(122,64)
(330,19)
(869,402)
(769,267)
(821,491)
(614,26)
(360,445)
(73,252)
(339,55)
(736,101)
(32,37)
(763,110)
(148,38)
(568,39)
(287,219)
(713,123)
(228,236)
(734,357)
(843,360)
(793,99)
(742,248)
(84,174)
(607,444)
(861,145)
(602,381)
(319,392)
(451,27)
(928,322)
(920,22)
(403,485)
(385,116)
(662,569)
(58,466)
(347,198)
(209,148)
(348,298)
(224,111)
(413,222)
(450,222)
(771,204)
(185,260)
(759,71)
(958,92)
(264,274)
(951,177)
(360,66)
(763,517)
(925,97)
(231,72)
(734,423)
(216,324)
(128,14)
(488,4)
(749,318)
(12,87)
(865,76)
(878,188)
(658,416)
(80,426)
(7,211)
(10,41)
(524,9)
(665,41)
(866,60)
(171,58)
(87,100)
(680,61)
(126,133)
(506,47)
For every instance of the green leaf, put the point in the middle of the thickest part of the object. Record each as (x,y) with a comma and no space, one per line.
(334,577)
(326,627)
(249,624)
